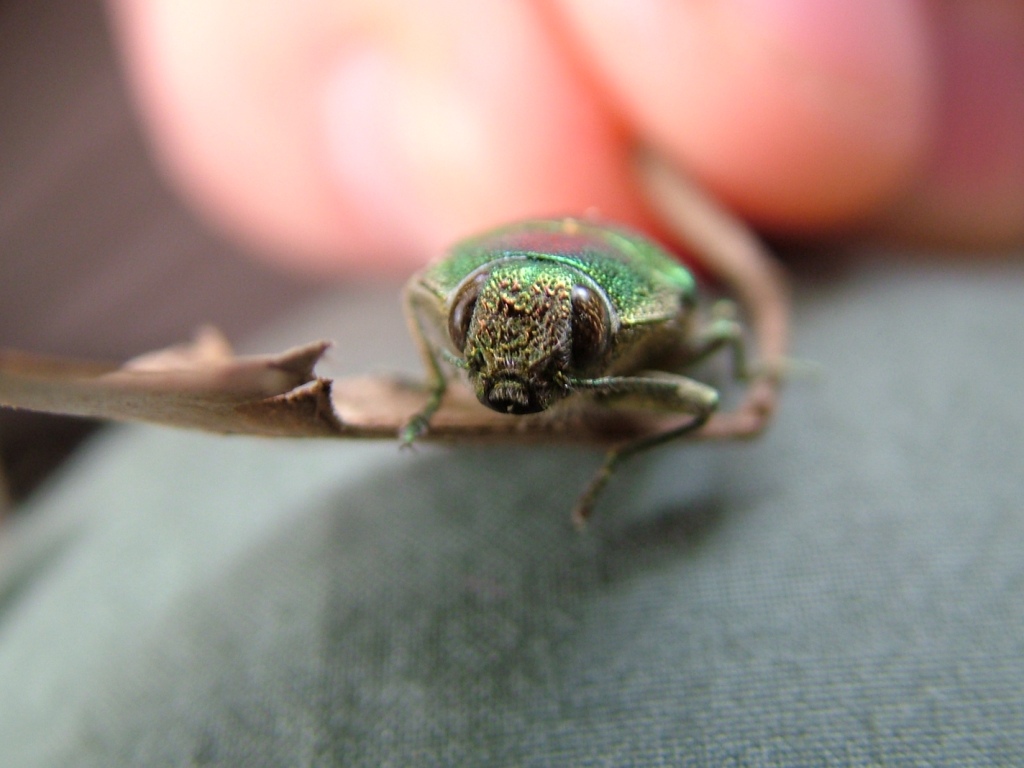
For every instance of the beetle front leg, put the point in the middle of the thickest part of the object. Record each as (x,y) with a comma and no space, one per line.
(675,393)
(415,304)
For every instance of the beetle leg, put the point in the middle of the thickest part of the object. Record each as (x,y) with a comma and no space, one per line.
(415,303)
(676,393)
(724,330)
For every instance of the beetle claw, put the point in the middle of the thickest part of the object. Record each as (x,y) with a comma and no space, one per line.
(413,430)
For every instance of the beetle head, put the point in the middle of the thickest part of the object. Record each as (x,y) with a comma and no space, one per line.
(525,328)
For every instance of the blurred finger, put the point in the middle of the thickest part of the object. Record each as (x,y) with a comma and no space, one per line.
(371,131)
(800,114)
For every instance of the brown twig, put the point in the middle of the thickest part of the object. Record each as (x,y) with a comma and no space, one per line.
(733,254)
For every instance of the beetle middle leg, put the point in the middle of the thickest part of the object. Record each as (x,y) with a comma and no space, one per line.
(669,392)
(723,331)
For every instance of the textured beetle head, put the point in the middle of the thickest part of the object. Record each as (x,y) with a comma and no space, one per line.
(525,328)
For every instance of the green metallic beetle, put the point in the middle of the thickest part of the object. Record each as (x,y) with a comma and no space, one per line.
(552,310)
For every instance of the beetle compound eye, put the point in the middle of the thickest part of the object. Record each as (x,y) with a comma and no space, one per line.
(462,310)
(591,326)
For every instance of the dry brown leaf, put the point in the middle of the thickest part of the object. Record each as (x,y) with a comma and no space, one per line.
(277,395)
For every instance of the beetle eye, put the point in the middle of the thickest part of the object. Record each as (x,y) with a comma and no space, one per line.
(591,326)
(462,310)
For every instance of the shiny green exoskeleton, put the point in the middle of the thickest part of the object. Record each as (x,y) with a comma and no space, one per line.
(547,310)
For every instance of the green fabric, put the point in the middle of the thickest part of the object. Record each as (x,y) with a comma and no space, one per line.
(845,591)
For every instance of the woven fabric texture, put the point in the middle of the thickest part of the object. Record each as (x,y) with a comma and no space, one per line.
(845,591)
